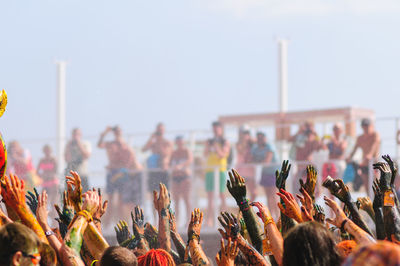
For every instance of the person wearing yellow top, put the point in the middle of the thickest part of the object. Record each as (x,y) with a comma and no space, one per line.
(216,151)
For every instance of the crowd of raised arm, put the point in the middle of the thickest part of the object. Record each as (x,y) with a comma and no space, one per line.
(249,235)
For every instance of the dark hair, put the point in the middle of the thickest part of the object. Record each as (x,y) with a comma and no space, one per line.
(47,254)
(310,243)
(118,256)
(16,237)
(216,124)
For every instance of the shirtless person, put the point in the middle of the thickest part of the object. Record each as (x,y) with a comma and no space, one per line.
(158,161)
(337,147)
(77,153)
(307,142)
(180,163)
(369,142)
(122,163)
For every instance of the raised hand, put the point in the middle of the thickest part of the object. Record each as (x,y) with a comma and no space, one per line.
(263,211)
(312,176)
(378,198)
(14,192)
(32,200)
(339,214)
(91,202)
(392,166)
(282,175)
(102,206)
(162,201)
(151,235)
(319,215)
(386,175)
(65,215)
(306,201)
(236,186)
(343,194)
(228,253)
(75,190)
(230,223)
(366,205)
(194,227)
(122,232)
(291,209)
(41,211)
(138,222)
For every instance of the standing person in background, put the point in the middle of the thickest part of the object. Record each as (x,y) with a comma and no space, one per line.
(216,151)
(180,163)
(121,163)
(77,153)
(47,170)
(20,164)
(369,143)
(262,153)
(158,161)
(307,142)
(337,147)
(244,161)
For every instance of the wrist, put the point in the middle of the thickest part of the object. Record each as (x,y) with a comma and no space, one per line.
(243,204)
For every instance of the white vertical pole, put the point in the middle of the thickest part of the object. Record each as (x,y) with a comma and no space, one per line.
(61,80)
(283,75)
(282,89)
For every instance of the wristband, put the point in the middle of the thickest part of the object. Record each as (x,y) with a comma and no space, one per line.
(343,224)
(192,237)
(268,221)
(49,233)
(244,205)
(87,215)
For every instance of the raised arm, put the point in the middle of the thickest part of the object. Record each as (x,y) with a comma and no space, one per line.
(343,194)
(231,226)
(94,240)
(237,187)
(342,222)
(162,204)
(71,248)
(281,176)
(14,195)
(271,231)
(176,237)
(138,229)
(101,143)
(194,228)
(391,215)
(377,205)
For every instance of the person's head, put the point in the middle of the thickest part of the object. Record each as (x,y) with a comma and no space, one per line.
(310,243)
(261,138)
(47,254)
(380,253)
(19,245)
(118,256)
(155,257)
(47,150)
(244,134)
(76,134)
(160,129)
(366,125)
(218,129)
(117,132)
(346,247)
(179,142)
(337,130)
(14,148)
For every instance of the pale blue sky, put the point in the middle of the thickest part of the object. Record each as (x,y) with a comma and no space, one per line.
(185,62)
